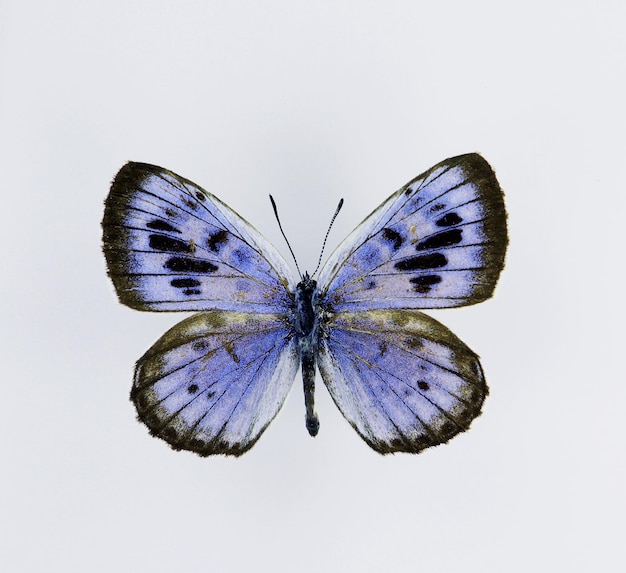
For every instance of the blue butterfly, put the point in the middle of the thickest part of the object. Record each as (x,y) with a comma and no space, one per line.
(214,382)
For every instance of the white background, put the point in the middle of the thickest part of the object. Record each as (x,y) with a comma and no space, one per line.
(313,101)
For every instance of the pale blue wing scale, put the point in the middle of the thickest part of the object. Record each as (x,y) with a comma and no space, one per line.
(170,245)
(402,379)
(438,242)
(214,382)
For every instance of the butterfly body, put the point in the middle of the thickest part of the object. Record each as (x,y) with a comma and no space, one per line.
(215,381)
(306,319)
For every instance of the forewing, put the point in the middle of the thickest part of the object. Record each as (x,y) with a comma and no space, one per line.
(170,245)
(402,379)
(438,242)
(215,381)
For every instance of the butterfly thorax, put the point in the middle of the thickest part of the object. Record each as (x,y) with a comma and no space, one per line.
(304,320)
(305,323)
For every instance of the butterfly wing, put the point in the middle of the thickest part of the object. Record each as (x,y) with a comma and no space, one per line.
(170,245)
(215,381)
(437,242)
(402,379)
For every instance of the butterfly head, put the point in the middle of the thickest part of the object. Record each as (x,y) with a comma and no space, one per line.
(307,285)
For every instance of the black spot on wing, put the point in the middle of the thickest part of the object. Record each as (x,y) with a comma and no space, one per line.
(159,225)
(422,262)
(163,243)
(216,240)
(191,204)
(423,385)
(200,346)
(185,265)
(425,283)
(192,388)
(415,342)
(443,239)
(393,237)
(437,207)
(448,220)
(185,283)
(200,196)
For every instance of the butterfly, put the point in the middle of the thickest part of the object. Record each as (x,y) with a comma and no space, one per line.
(214,382)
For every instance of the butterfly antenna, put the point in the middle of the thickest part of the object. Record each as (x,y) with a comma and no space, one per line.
(319,261)
(284,236)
